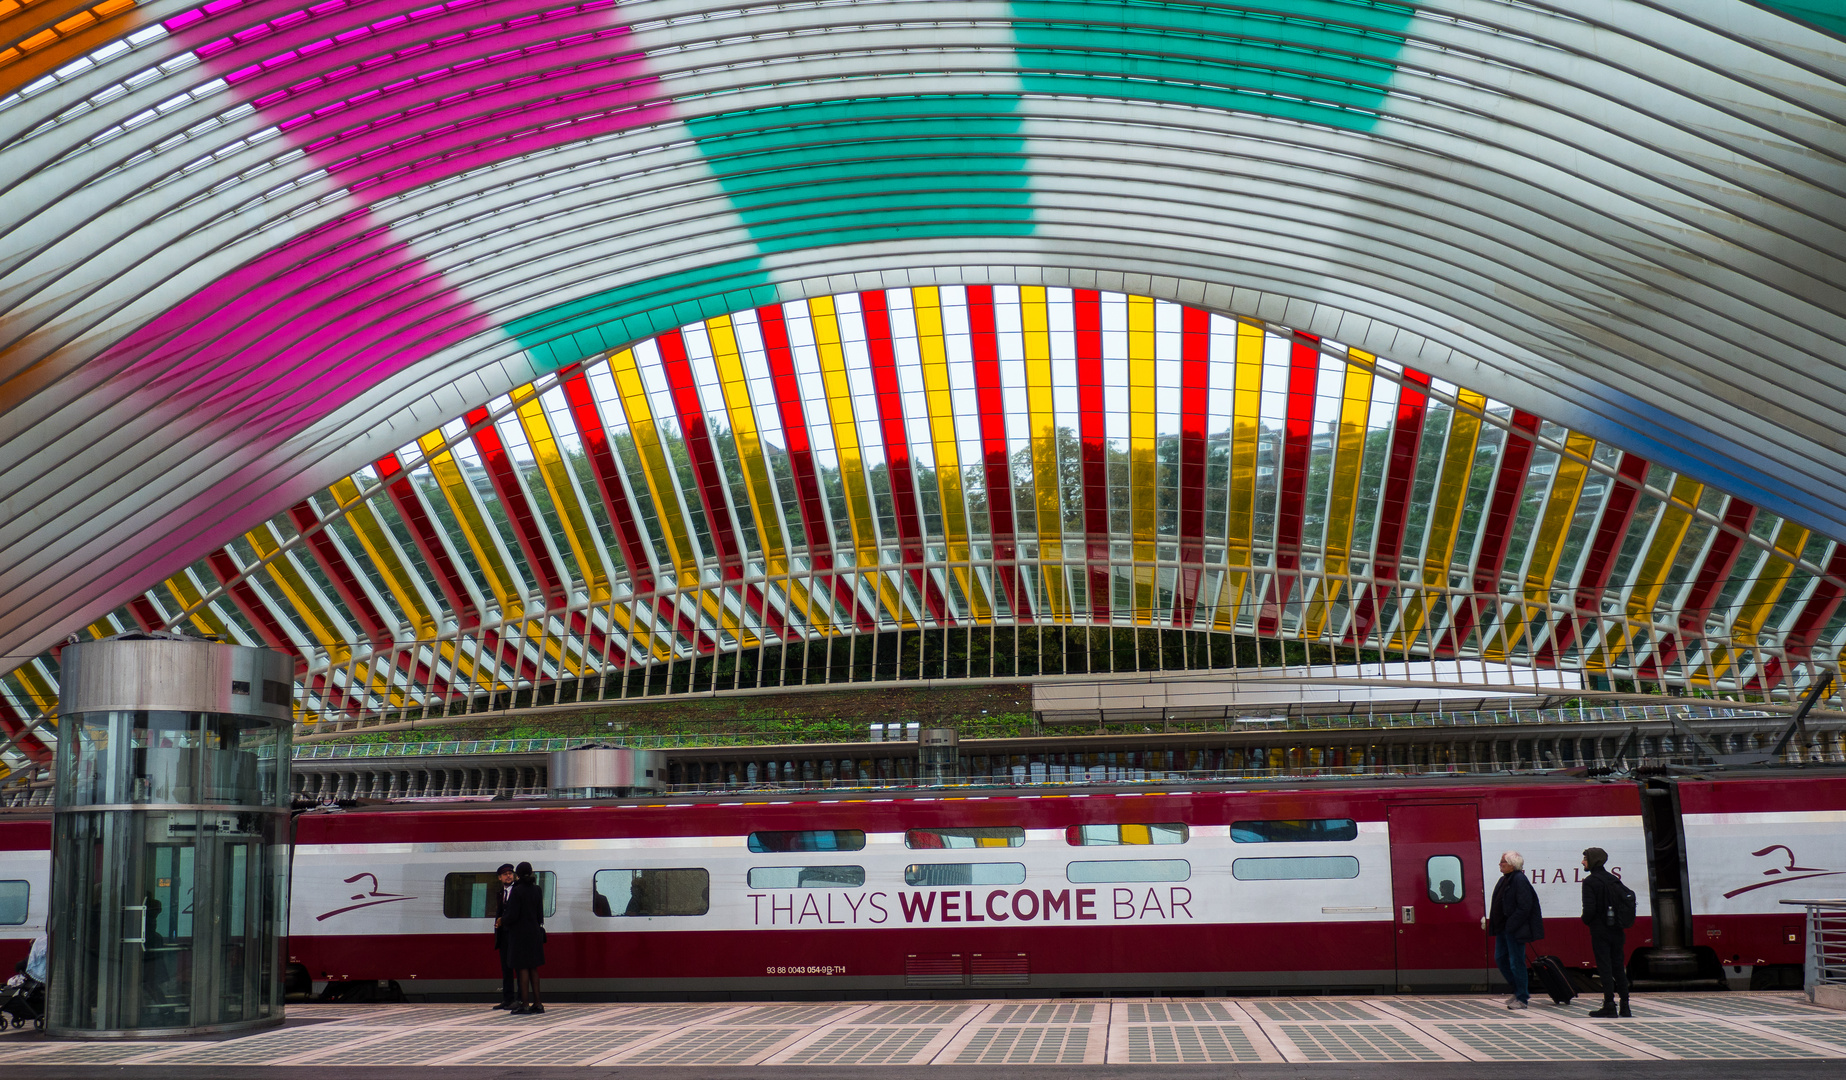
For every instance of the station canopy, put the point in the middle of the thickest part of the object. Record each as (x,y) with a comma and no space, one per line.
(490,347)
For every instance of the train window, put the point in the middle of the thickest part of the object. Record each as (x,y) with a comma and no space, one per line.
(13,897)
(1303,868)
(1445,883)
(619,893)
(808,840)
(965,873)
(474,896)
(807,877)
(1091,873)
(1124,835)
(999,836)
(1308,831)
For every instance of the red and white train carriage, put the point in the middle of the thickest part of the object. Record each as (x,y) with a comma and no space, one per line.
(1358,884)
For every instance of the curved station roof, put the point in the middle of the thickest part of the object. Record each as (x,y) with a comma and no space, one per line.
(1520,304)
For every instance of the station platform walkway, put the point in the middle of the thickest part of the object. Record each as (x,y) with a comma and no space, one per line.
(1086,1036)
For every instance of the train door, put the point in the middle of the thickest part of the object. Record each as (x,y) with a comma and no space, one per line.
(1437,900)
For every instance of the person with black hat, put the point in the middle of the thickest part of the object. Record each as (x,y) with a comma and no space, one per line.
(496,903)
(523,920)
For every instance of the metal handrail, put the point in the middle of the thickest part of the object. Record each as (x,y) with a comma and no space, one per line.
(1824,961)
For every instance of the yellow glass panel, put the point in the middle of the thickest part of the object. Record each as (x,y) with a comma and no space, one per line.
(735,384)
(578,530)
(373,538)
(1143,478)
(37,687)
(412,600)
(658,472)
(827,341)
(474,528)
(1777,571)
(1445,515)
(1650,576)
(1035,318)
(1246,408)
(305,602)
(191,599)
(1343,496)
(551,469)
(654,466)
(926,301)
(319,623)
(1573,471)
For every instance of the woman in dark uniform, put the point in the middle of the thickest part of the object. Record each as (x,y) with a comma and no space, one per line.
(523,921)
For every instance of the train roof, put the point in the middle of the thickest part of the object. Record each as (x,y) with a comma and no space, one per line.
(1552,778)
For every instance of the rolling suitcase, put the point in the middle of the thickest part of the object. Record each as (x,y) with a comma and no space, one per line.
(1548,972)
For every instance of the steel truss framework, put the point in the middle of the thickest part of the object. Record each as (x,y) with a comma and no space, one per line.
(255,244)
(993,482)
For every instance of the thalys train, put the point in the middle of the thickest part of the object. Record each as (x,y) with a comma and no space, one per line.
(1370,884)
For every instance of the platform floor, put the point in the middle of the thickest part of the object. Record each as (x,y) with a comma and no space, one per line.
(1120,1031)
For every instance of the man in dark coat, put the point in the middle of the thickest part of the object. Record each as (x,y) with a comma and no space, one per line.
(496,902)
(523,920)
(1601,891)
(1514,920)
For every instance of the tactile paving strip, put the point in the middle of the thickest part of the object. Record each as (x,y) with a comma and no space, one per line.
(92,1054)
(1026,1044)
(1356,1042)
(914,1014)
(1545,1042)
(1056,1012)
(1827,1031)
(1136,1012)
(574,1047)
(1457,1010)
(1692,1039)
(659,1015)
(95,1055)
(270,1047)
(786,1014)
(443,1015)
(19,1050)
(711,1046)
(1742,1005)
(1314,1010)
(331,1011)
(1190,1042)
(866,1046)
(417,1047)
(1588,1004)
(507,1023)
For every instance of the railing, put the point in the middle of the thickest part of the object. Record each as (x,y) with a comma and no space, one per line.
(450,748)
(1825,963)
(1613,715)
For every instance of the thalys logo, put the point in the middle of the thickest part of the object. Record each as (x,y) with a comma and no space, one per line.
(1782,875)
(372,898)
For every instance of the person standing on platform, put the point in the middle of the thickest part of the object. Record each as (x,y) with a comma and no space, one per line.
(1608,909)
(1514,920)
(496,905)
(524,921)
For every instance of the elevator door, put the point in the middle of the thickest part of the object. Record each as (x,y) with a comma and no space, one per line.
(1437,899)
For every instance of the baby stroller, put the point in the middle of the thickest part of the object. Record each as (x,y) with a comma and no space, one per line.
(22,1000)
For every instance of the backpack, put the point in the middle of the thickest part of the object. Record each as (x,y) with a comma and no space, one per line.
(1621,912)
